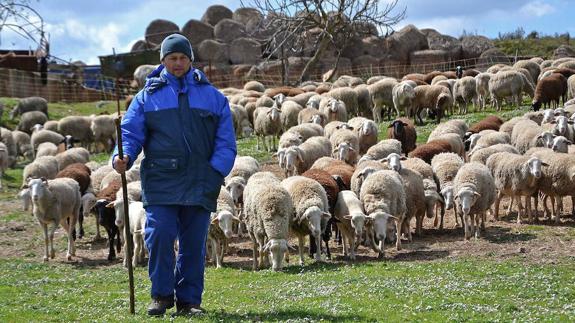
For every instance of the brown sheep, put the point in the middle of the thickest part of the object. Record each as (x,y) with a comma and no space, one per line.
(430,149)
(403,130)
(78,172)
(429,76)
(450,74)
(490,122)
(344,171)
(415,77)
(549,90)
(285,90)
(567,72)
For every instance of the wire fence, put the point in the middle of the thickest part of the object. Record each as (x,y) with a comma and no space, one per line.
(62,88)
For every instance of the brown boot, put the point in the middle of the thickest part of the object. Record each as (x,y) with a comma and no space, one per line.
(159,305)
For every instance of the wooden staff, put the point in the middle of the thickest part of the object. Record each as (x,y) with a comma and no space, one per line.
(127,235)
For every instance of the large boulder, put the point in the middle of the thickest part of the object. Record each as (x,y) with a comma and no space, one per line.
(424,61)
(436,40)
(310,39)
(197,31)
(227,30)
(141,45)
(251,18)
(365,29)
(401,43)
(159,29)
(354,48)
(474,46)
(216,13)
(564,51)
(491,57)
(245,51)
(373,46)
(213,51)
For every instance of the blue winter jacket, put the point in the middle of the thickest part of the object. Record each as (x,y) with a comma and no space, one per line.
(185,127)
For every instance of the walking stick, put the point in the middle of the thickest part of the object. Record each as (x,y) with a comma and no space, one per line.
(118,66)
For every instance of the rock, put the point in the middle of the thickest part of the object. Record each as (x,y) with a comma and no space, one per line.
(365,29)
(141,45)
(227,30)
(159,29)
(564,51)
(249,17)
(213,51)
(245,51)
(365,61)
(214,14)
(373,46)
(423,61)
(401,43)
(354,48)
(522,250)
(197,31)
(474,46)
(436,40)
(493,56)
(310,39)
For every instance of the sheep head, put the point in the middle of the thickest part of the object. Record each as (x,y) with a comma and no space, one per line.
(225,219)
(277,248)
(561,144)
(394,161)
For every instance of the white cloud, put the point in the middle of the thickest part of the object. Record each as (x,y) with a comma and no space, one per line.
(446,25)
(537,9)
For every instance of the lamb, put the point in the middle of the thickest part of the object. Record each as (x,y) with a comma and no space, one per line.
(481,155)
(33,103)
(55,202)
(430,149)
(457,126)
(268,209)
(445,167)
(464,92)
(137,220)
(402,96)
(474,189)
(506,84)
(301,158)
(244,167)
(550,90)
(384,199)
(77,127)
(268,123)
(107,216)
(382,149)
(382,95)
(29,119)
(44,135)
(311,206)
(403,130)
(71,156)
(435,98)
(351,221)
(46,166)
(221,226)
(482,88)
(345,145)
(367,132)
(335,110)
(515,176)
(104,131)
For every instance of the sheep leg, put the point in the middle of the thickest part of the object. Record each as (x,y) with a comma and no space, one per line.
(496,206)
(398,226)
(111,236)
(468,225)
(51,231)
(547,213)
(46,240)
(477,226)
(264,143)
(300,247)
(443,215)
(137,249)
(318,250)
(407,230)
(521,211)
(435,218)
(81,224)
(98,236)
(377,113)
(510,207)
(483,220)
(255,256)
(573,206)
(345,245)
(352,246)
(555,211)
(528,209)
(418,224)
(218,253)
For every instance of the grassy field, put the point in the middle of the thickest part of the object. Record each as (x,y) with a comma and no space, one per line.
(450,285)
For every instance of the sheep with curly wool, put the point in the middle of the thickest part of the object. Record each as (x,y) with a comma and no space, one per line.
(351,221)
(300,158)
(381,150)
(345,145)
(402,96)
(445,167)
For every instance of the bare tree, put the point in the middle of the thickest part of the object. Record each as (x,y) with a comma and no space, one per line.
(290,26)
(19,17)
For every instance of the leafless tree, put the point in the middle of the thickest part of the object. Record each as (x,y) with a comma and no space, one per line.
(290,26)
(19,17)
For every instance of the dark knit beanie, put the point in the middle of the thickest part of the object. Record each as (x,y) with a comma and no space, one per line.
(176,43)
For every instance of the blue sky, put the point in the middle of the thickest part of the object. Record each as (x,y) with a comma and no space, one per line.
(82,30)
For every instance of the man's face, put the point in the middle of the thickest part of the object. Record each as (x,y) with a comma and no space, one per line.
(177,64)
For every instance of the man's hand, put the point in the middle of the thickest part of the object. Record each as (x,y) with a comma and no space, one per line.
(121,164)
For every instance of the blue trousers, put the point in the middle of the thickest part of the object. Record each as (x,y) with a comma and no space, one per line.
(184,275)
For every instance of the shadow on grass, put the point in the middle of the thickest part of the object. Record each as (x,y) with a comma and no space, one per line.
(502,235)
(282,315)
(90,263)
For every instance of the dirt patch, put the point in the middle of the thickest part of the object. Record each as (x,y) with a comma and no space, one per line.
(542,243)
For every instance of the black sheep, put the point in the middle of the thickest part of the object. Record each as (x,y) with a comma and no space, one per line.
(107,219)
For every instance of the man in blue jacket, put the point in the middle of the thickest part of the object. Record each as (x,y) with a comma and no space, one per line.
(185,128)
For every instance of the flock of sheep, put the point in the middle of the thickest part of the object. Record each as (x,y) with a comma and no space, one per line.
(339,178)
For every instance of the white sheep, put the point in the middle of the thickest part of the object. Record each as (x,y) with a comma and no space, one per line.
(465,92)
(382,95)
(137,220)
(402,97)
(44,135)
(506,84)
(221,226)
(46,149)
(104,131)
(351,221)
(79,127)
(267,123)
(300,158)
(445,167)
(381,150)
(345,145)
(335,110)
(482,88)
(474,189)
(55,202)
(46,166)
(73,155)
(311,211)
(367,132)
(481,155)
(268,209)
(527,134)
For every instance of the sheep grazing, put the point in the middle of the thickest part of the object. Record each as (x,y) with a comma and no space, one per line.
(474,189)
(351,221)
(33,103)
(402,129)
(430,149)
(267,123)
(435,98)
(445,167)
(506,84)
(515,176)
(268,209)
(382,95)
(402,96)
(465,92)
(55,202)
(221,226)
(482,89)
(44,135)
(491,122)
(301,158)
(311,206)
(549,91)
(384,200)
(29,119)
(367,131)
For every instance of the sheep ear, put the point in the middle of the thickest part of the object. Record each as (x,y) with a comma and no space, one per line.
(110,205)
(326,215)
(390,125)
(347,217)
(215,220)
(476,194)
(544,164)
(235,218)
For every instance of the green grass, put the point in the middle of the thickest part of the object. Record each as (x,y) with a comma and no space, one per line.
(461,290)
(542,47)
